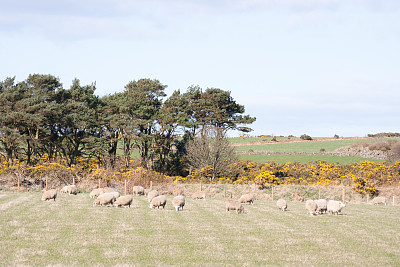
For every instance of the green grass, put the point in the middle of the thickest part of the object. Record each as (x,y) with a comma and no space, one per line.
(70,231)
(281,159)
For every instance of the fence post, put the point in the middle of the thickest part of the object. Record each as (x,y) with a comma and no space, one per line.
(47,183)
(273,188)
(297,194)
(19,181)
(201,187)
(151,184)
(344,195)
(99,183)
(225,191)
(125,186)
(319,192)
(73,180)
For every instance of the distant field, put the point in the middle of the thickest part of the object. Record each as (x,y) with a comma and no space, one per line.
(70,231)
(281,159)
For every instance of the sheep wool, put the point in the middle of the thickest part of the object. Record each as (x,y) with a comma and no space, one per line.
(379,200)
(125,201)
(96,192)
(49,194)
(178,202)
(152,194)
(335,207)
(158,201)
(311,207)
(146,191)
(199,195)
(281,204)
(138,190)
(104,199)
(234,205)
(322,206)
(247,198)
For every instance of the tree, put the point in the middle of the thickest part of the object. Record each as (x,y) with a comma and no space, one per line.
(211,148)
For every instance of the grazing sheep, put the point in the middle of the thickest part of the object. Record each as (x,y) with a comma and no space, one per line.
(379,200)
(152,194)
(234,205)
(138,190)
(72,190)
(335,207)
(199,195)
(104,199)
(247,198)
(158,201)
(311,207)
(49,194)
(146,191)
(96,192)
(282,204)
(109,189)
(64,189)
(321,203)
(125,201)
(178,202)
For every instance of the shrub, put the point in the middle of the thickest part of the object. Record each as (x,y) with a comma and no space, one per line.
(305,137)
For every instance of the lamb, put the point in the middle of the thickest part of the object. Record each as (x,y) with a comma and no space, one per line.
(247,198)
(379,200)
(49,194)
(104,199)
(152,194)
(335,207)
(199,195)
(234,205)
(282,204)
(321,203)
(125,201)
(178,202)
(311,207)
(96,192)
(158,201)
(138,190)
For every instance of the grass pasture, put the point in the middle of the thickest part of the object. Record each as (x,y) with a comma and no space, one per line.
(70,231)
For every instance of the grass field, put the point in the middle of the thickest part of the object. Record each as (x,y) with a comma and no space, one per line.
(70,231)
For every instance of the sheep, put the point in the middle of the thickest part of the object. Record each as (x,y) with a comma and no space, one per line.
(49,194)
(64,189)
(72,190)
(321,203)
(104,199)
(138,190)
(109,189)
(311,207)
(335,207)
(178,202)
(282,204)
(247,198)
(146,191)
(124,201)
(152,194)
(379,200)
(158,201)
(234,205)
(96,192)
(199,195)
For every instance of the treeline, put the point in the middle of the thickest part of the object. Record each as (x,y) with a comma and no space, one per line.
(38,117)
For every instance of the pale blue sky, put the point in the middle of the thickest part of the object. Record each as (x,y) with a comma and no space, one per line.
(320,67)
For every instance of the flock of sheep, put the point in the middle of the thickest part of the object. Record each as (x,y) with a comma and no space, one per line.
(110,197)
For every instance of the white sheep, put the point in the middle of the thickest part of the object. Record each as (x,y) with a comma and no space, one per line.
(311,207)
(96,192)
(64,189)
(158,201)
(247,198)
(322,206)
(114,193)
(335,207)
(234,205)
(379,200)
(49,194)
(282,204)
(178,202)
(138,190)
(146,191)
(152,194)
(104,199)
(199,195)
(125,201)
(109,189)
